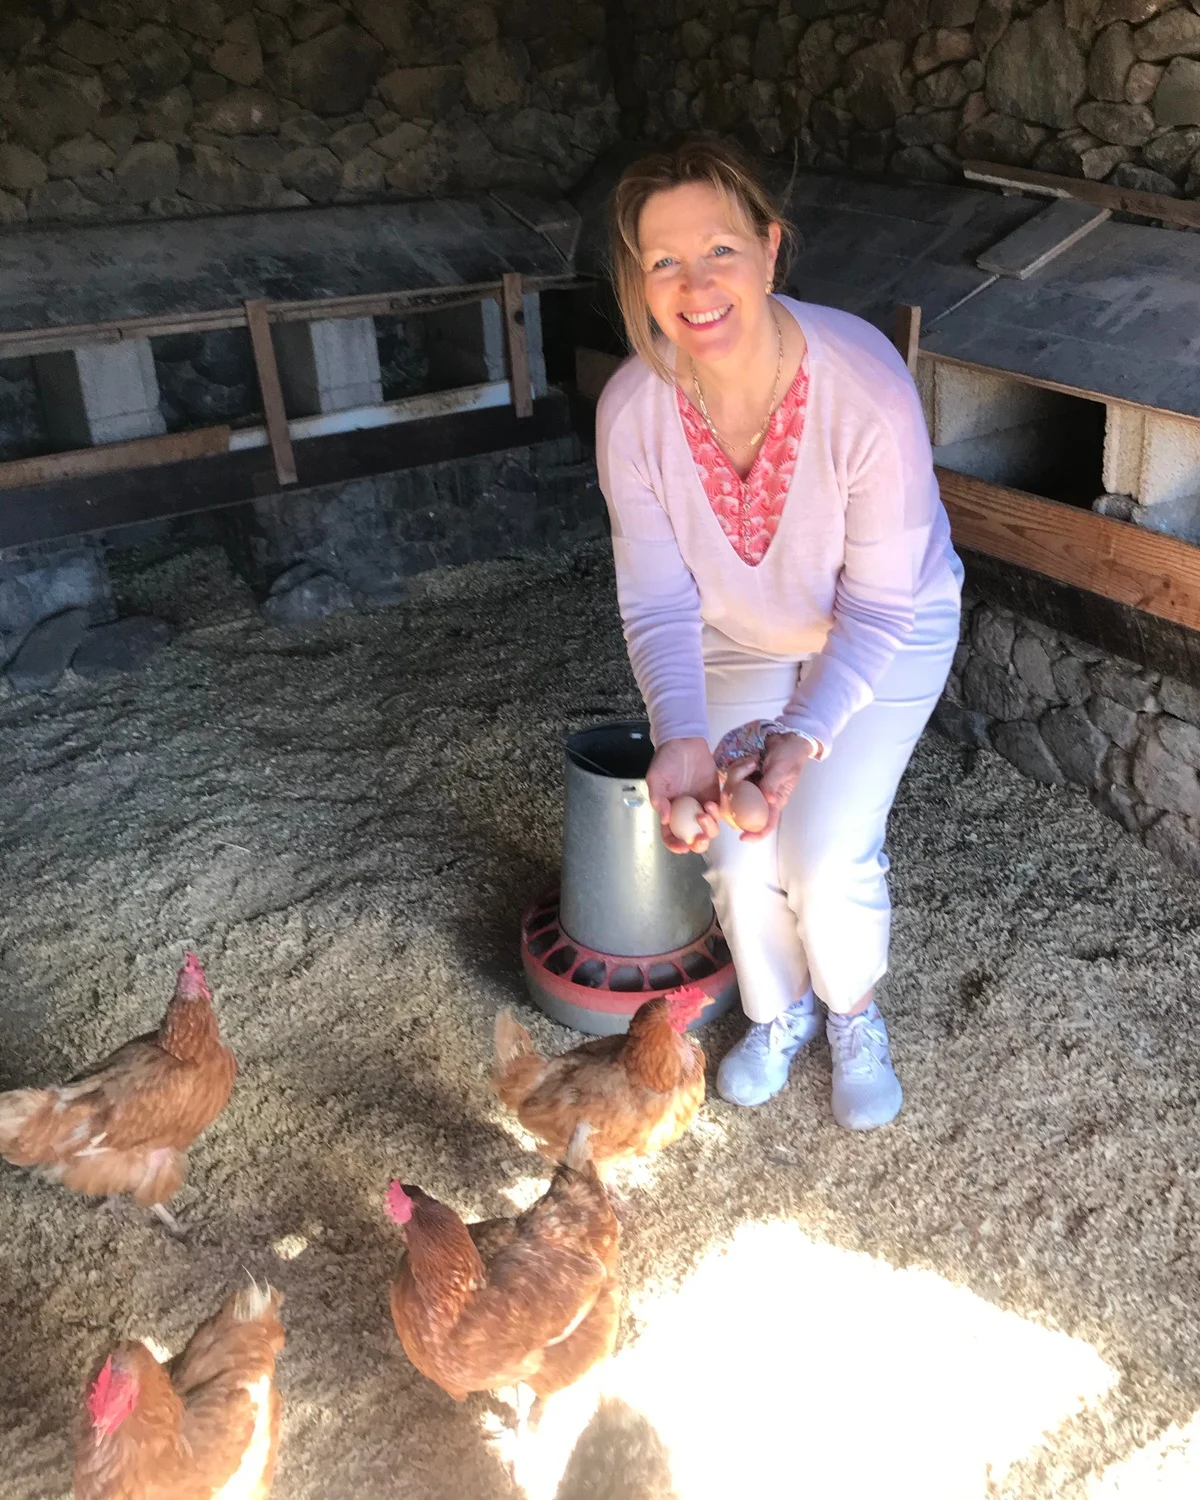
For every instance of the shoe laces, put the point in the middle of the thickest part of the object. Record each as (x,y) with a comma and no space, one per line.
(858,1044)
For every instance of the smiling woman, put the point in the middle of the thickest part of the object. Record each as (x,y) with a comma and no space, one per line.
(789,595)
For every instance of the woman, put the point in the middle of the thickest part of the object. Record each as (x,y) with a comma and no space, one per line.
(789,594)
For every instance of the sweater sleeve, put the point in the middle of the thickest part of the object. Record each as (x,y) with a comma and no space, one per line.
(891,510)
(657,595)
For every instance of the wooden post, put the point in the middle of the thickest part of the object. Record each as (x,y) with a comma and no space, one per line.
(906,334)
(272,393)
(518,348)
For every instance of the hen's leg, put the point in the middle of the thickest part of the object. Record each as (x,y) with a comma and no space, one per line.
(174,1228)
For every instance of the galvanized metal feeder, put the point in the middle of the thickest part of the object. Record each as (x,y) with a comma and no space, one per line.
(630,920)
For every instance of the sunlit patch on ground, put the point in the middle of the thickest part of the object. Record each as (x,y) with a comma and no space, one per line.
(786,1367)
(1166,1469)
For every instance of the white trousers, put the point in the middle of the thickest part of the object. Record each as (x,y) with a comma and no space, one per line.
(810,904)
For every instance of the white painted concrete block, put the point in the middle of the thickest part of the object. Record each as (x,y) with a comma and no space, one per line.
(467,345)
(1124,437)
(329,365)
(1170,461)
(974,403)
(105,393)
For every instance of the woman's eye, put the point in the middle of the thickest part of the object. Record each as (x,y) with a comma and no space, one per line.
(659,264)
(722,250)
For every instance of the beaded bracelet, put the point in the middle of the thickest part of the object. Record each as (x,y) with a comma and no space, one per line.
(751,739)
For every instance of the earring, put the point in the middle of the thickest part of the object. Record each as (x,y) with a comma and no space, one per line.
(770,287)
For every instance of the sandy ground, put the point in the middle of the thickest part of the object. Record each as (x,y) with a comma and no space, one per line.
(997,1296)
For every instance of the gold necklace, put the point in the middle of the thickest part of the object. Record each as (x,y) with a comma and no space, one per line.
(737,447)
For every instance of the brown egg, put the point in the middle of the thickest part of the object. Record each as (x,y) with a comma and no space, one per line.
(748,807)
(685,819)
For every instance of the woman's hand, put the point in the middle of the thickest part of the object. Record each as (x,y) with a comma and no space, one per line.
(783,759)
(684,768)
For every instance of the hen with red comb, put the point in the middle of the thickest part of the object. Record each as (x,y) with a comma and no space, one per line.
(639,1091)
(203,1426)
(124,1125)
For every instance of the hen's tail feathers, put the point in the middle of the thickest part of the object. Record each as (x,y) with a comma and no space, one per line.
(579,1151)
(17,1110)
(252,1303)
(511,1040)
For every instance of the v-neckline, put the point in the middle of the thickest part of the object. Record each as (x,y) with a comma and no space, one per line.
(810,345)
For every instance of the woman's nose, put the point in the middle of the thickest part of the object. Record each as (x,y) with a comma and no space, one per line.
(696,275)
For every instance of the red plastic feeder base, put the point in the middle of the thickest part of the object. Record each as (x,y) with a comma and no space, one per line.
(598,992)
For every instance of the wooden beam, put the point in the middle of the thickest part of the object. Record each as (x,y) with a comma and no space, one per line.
(1143,569)
(1043,238)
(518,346)
(280,438)
(72,507)
(1100,397)
(906,334)
(28,341)
(107,458)
(1119,200)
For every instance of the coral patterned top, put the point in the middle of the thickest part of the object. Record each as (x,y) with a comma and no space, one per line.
(749,509)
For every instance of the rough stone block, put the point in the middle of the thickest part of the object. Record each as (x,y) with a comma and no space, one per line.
(1180,699)
(1173,837)
(1119,723)
(312,597)
(46,652)
(962,725)
(993,690)
(1125,684)
(1163,780)
(1180,739)
(1071,680)
(123,646)
(1021,743)
(38,582)
(1033,663)
(993,635)
(1077,744)
(106,393)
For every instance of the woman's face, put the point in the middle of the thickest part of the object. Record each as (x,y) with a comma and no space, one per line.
(705,277)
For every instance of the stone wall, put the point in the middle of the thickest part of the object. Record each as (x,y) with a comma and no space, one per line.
(1104,89)
(120,108)
(1063,711)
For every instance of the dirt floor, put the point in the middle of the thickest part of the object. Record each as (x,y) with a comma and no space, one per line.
(996,1296)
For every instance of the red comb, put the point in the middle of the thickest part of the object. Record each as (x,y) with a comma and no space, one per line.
(100,1395)
(399,1205)
(689,994)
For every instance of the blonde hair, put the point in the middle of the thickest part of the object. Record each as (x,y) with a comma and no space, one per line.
(720,165)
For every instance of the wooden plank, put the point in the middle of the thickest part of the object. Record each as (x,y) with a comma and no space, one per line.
(513,299)
(108,458)
(258,323)
(1117,200)
(20,342)
(1027,249)
(906,334)
(71,507)
(1143,569)
(1058,385)
(592,370)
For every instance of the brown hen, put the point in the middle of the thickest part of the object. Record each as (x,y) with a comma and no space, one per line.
(124,1126)
(533,1300)
(203,1427)
(639,1091)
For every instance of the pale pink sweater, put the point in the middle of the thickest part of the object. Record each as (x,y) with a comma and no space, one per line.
(863,545)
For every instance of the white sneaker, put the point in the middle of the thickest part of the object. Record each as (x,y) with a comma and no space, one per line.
(866,1091)
(757,1068)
